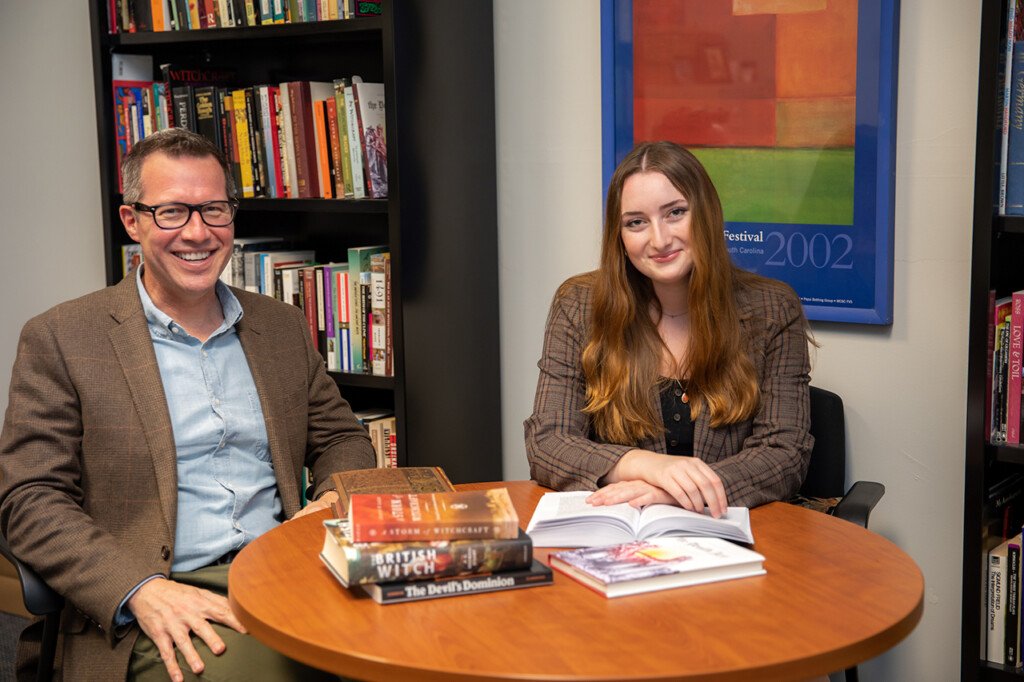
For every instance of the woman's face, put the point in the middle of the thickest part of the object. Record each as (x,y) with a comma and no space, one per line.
(655,228)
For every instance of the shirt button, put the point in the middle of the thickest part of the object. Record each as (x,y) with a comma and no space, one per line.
(165,552)
(676,416)
(674,443)
(679,392)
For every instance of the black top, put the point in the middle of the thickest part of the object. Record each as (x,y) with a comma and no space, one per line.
(676,415)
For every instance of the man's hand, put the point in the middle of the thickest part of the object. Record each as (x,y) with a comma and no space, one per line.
(325,502)
(169,611)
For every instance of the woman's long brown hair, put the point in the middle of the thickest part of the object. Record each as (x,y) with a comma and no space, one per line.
(622,358)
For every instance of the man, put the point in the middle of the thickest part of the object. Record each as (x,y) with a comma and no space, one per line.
(157,426)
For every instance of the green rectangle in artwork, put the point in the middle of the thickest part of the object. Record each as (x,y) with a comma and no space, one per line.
(772,185)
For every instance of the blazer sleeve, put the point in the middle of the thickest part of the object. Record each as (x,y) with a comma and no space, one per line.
(561,454)
(772,460)
(42,502)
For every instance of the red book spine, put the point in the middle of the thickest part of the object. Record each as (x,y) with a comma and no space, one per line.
(274,93)
(310,303)
(307,185)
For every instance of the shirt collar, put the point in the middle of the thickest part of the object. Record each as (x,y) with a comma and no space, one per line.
(229,304)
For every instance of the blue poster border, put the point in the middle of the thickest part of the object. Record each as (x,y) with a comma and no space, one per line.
(866,298)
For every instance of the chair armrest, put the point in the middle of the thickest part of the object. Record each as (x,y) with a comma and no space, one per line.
(858,502)
(39,598)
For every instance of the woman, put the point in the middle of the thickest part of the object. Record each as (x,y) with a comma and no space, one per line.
(668,349)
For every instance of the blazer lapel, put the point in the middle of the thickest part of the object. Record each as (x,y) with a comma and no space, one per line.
(260,352)
(133,346)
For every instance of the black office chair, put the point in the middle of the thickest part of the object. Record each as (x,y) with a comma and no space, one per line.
(824,487)
(40,600)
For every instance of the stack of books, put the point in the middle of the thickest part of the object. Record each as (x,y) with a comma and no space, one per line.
(399,547)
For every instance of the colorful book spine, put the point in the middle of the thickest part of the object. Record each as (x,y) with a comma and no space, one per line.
(1012,637)
(242,143)
(363,563)
(378,314)
(537,575)
(345,154)
(369,103)
(355,156)
(1014,353)
(1014,200)
(462,515)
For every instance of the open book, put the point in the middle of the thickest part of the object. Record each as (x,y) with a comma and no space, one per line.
(566,520)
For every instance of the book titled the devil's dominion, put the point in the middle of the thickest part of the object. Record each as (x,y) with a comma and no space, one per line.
(462,515)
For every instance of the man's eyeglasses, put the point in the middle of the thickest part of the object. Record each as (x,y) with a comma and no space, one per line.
(175,215)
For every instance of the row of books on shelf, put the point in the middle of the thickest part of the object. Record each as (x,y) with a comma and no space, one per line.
(296,139)
(1004,368)
(348,305)
(405,534)
(1010,108)
(131,16)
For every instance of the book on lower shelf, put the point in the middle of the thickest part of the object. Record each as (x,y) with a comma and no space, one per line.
(357,563)
(392,480)
(657,564)
(564,519)
(1002,631)
(459,515)
(537,575)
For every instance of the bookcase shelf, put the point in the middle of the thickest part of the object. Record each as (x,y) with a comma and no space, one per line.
(436,60)
(997,263)
(367,206)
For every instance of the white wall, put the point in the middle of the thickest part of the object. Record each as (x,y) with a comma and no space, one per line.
(49,175)
(904,386)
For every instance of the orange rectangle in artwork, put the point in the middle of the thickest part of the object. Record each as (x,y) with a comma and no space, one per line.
(825,123)
(816,52)
(706,123)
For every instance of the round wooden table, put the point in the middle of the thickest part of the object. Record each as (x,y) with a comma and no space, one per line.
(834,595)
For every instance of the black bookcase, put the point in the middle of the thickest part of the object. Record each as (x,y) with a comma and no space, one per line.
(436,60)
(997,263)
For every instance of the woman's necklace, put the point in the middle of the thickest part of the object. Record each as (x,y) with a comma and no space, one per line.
(680,391)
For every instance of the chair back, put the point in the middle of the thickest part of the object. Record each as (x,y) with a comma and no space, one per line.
(826,475)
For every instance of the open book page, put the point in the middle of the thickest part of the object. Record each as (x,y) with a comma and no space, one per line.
(564,519)
(658,520)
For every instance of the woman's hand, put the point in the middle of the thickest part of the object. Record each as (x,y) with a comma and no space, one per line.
(635,493)
(690,482)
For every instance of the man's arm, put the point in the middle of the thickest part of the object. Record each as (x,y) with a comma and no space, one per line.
(42,496)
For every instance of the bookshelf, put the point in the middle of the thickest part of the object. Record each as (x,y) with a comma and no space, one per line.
(997,262)
(436,60)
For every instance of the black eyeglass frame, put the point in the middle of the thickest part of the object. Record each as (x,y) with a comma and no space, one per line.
(192,208)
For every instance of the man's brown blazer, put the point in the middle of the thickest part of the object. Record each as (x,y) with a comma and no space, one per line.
(88,476)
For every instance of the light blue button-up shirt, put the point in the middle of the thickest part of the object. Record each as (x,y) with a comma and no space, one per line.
(227,492)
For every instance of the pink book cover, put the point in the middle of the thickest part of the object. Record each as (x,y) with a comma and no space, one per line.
(1013,395)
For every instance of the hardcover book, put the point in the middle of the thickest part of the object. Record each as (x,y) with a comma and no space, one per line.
(368,100)
(416,590)
(566,520)
(657,564)
(398,480)
(382,562)
(459,515)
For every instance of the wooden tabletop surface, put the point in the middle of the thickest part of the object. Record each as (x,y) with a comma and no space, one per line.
(834,595)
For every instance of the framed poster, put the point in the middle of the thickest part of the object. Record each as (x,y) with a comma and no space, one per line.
(791,107)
